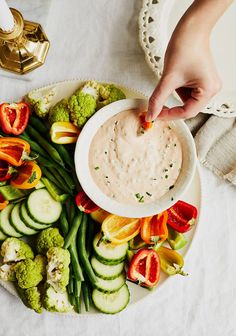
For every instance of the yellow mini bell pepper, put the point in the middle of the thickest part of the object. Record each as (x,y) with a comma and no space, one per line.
(64,132)
(171,262)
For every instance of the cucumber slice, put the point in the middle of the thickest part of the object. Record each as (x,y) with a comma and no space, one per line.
(111,303)
(2,236)
(107,253)
(5,224)
(107,272)
(25,217)
(42,207)
(10,193)
(110,286)
(18,224)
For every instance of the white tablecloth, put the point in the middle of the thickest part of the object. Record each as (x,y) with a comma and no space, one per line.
(99,39)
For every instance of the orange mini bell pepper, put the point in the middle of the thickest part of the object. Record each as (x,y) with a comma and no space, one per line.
(154,229)
(145,125)
(14,150)
(3,202)
(27,177)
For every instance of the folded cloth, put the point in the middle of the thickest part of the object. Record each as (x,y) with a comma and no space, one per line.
(215,139)
(35,11)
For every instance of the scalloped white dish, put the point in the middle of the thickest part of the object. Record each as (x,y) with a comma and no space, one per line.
(192,195)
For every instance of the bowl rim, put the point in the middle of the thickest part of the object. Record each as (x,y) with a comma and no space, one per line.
(94,192)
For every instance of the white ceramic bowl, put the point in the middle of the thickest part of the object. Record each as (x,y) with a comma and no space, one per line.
(109,204)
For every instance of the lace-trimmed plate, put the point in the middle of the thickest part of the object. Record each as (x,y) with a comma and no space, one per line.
(157,21)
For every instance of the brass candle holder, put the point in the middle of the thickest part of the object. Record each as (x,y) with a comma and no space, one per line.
(25,47)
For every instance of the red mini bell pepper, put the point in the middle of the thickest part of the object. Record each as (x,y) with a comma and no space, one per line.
(14,117)
(182,216)
(84,203)
(145,125)
(145,268)
(6,170)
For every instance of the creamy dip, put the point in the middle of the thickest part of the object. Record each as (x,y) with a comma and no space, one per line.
(131,166)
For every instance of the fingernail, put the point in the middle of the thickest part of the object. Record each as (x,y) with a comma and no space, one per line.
(149,116)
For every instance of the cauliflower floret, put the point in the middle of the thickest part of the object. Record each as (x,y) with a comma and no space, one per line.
(109,94)
(7,272)
(59,112)
(41,262)
(91,88)
(31,297)
(58,268)
(48,238)
(82,106)
(56,302)
(41,101)
(28,273)
(14,249)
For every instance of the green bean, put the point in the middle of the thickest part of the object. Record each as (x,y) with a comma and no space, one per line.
(72,210)
(53,190)
(77,305)
(34,146)
(81,243)
(51,177)
(72,299)
(64,225)
(73,229)
(70,286)
(75,262)
(89,237)
(65,155)
(86,295)
(77,184)
(53,153)
(77,294)
(67,178)
(42,160)
(60,180)
(38,124)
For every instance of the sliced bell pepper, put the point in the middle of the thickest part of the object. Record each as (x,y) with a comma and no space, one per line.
(64,132)
(14,150)
(84,203)
(99,215)
(176,239)
(154,229)
(6,170)
(119,230)
(145,125)
(28,176)
(182,216)
(145,268)
(3,202)
(14,117)
(171,261)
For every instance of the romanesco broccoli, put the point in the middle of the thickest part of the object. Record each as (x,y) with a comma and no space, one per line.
(109,94)
(48,238)
(14,249)
(28,273)
(41,101)
(92,88)
(56,302)
(59,112)
(31,297)
(58,268)
(7,272)
(41,262)
(82,106)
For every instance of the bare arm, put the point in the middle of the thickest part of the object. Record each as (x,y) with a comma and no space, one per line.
(188,67)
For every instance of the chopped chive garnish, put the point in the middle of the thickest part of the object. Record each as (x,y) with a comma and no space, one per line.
(96,168)
(106,153)
(171,187)
(137,195)
(141,200)
(175,145)
(116,122)
(166,176)
(171,165)
(165,170)
(106,176)
(154,179)
(148,193)
(169,127)
(172,198)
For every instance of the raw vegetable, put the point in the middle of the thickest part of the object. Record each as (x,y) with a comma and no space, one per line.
(176,239)
(108,94)
(119,230)
(37,123)
(82,106)
(42,207)
(13,250)
(171,262)
(64,132)
(41,101)
(6,170)
(48,238)
(27,176)
(86,295)
(10,193)
(7,272)
(14,150)
(145,268)
(14,117)
(55,301)
(28,273)
(111,303)
(136,243)
(31,298)
(107,272)
(5,224)
(3,202)
(73,230)
(99,215)
(81,244)
(110,286)
(154,229)
(84,203)
(182,216)
(31,223)
(59,112)
(145,125)
(18,224)
(56,193)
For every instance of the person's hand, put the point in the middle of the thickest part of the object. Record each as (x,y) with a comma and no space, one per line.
(189,70)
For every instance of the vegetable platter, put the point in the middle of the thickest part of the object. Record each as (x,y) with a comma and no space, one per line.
(59,251)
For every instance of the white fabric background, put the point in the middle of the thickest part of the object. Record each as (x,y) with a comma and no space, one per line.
(99,39)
